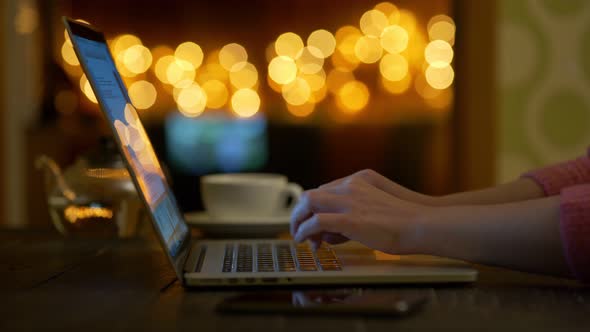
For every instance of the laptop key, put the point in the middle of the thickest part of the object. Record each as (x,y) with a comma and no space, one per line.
(245,259)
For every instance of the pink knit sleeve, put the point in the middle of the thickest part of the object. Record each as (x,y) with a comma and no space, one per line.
(554,178)
(575,229)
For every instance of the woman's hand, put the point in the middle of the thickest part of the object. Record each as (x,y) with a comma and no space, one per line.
(352,208)
(379,181)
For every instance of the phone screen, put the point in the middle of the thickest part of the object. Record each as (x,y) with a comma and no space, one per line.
(348,301)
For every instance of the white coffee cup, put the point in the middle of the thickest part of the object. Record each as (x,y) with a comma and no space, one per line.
(248,195)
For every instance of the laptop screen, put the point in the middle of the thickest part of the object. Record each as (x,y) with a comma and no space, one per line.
(135,144)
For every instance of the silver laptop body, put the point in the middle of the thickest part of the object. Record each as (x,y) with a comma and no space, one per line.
(239,262)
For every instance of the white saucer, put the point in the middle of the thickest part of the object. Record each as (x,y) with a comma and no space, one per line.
(238,228)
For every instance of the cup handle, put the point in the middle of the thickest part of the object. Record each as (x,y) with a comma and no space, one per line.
(294,191)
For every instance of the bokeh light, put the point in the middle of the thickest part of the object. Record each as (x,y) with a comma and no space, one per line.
(368,49)
(289,44)
(296,92)
(191,100)
(301,110)
(87,89)
(337,77)
(316,80)
(394,39)
(373,22)
(309,60)
(282,69)
(243,75)
(68,54)
(397,87)
(352,97)
(408,21)
(393,67)
(123,42)
(180,73)
(438,53)
(142,94)
(216,92)
(346,39)
(442,27)
(161,68)
(212,71)
(190,52)
(440,77)
(318,95)
(137,59)
(231,54)
(245,103)
(323,40)
(390,10)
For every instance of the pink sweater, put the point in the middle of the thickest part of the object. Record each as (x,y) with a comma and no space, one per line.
(571,180)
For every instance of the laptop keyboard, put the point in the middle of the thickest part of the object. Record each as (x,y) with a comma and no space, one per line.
(278,257)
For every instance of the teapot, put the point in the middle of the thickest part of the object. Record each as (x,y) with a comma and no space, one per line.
(93,197)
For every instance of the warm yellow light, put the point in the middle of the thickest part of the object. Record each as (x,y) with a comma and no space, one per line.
(288,44)
(137,59)
(216,92)
(161,51)
(424,89)
(440,77)
(296,92)
(243,75)
(276,87)
(74,214)
(87,89)
(123,42)
(438,53)
(318,95)
(212,71)
(143,94)
(68,54)
(352,97)
(190,52)
(282,69)
(316,80)
(394,39)
(301,110)
(231,54)
(309,60)
(442,100)
(390,10)
(191,100)
(180,73)
(346,39)
(245,103)
(337,77)
(323,40)
(442,27)
(397,87)
(408,21)
(161,68)
(368,49)
(373,22)
(393,67)
(340,61)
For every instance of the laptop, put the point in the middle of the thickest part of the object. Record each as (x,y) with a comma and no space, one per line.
(236,262)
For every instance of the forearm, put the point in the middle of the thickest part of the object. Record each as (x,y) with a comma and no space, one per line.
(515,191)
(523,235)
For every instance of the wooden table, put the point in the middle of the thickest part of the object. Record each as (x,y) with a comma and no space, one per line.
(52,283)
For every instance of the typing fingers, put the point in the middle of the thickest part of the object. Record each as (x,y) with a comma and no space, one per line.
(312,201)
(321,223)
